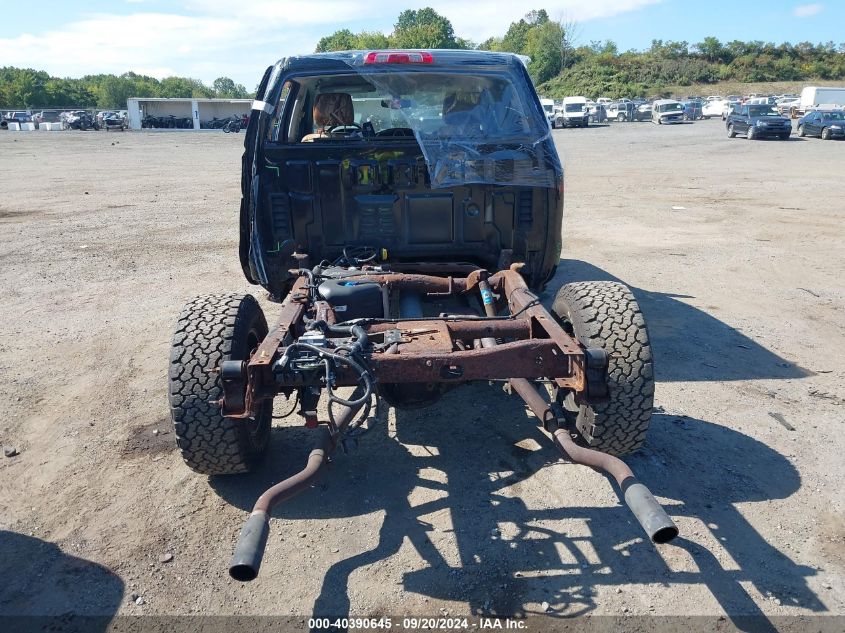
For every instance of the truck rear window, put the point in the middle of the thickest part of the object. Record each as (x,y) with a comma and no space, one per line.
(432,105)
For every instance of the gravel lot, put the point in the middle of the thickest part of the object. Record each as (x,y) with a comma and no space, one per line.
(734,249)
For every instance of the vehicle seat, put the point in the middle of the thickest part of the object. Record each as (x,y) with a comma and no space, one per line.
(460,114)
(331,109)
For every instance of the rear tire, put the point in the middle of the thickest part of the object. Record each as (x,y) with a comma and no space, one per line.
(605,314)
(750,133)
(825,134)
(212,329)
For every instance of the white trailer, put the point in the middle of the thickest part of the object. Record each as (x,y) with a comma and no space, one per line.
(814,97)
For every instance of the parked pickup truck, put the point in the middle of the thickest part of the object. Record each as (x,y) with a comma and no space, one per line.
(399,206)
(758,121)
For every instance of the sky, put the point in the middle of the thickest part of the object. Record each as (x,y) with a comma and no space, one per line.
(206,39)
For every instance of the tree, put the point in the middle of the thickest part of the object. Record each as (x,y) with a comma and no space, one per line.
(423,28)
(343,40)
(226,88)
(544,44)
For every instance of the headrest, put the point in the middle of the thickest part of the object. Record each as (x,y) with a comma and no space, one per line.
(456,105)
(333,108)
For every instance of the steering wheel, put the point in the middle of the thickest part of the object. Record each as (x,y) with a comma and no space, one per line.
(344,129)
(396,132)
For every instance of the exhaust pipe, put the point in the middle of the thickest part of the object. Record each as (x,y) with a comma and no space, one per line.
(648,512)
(249,551)
(250,548)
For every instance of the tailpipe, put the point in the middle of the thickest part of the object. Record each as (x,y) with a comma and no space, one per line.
(650,514)
(250,548)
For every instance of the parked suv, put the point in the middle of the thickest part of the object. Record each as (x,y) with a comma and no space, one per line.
(667,111)
(758,121)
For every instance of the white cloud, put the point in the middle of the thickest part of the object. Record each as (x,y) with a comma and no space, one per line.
(498,14)
(807,10)
(209,38)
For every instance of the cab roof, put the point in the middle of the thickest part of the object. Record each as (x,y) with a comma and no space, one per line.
(439,58)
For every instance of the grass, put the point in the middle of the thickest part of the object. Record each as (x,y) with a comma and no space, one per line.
(724,88)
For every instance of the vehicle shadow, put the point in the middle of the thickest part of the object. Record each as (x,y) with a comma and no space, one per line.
(450,488)
(45,589)
(688,344)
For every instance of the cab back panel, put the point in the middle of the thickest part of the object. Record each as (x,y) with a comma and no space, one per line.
(323,196)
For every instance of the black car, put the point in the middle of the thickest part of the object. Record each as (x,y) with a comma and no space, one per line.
(826,124)
(693,110)
(758,121)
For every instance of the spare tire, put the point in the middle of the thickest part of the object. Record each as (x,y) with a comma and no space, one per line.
(605,314)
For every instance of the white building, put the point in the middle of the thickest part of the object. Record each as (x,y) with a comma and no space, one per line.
(197,110)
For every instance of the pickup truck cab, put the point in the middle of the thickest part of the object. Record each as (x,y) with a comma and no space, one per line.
(421,155)
(758,121)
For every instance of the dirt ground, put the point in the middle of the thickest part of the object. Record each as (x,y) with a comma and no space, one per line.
(734,249)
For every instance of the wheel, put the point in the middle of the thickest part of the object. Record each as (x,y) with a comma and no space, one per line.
(620,117)
(801,130)
(825,134)
(731,131)
(750,133)
(605,314)
(587,122)
(211,329)
(589,119)
(659,121)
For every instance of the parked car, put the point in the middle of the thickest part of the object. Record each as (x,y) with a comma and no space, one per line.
(693,109)
(14,117)
(596,113)
(549,109)
(826,124)
(730,106)
(81,120)
(789,106)
(574,113)
(758,121)
(620,111)
(667,111)
(643,112)
(713,107)
(45,116)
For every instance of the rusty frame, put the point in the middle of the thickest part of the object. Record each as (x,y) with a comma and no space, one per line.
(431,350)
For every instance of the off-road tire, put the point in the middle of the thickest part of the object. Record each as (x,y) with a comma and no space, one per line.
(605,314)
(211,329)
